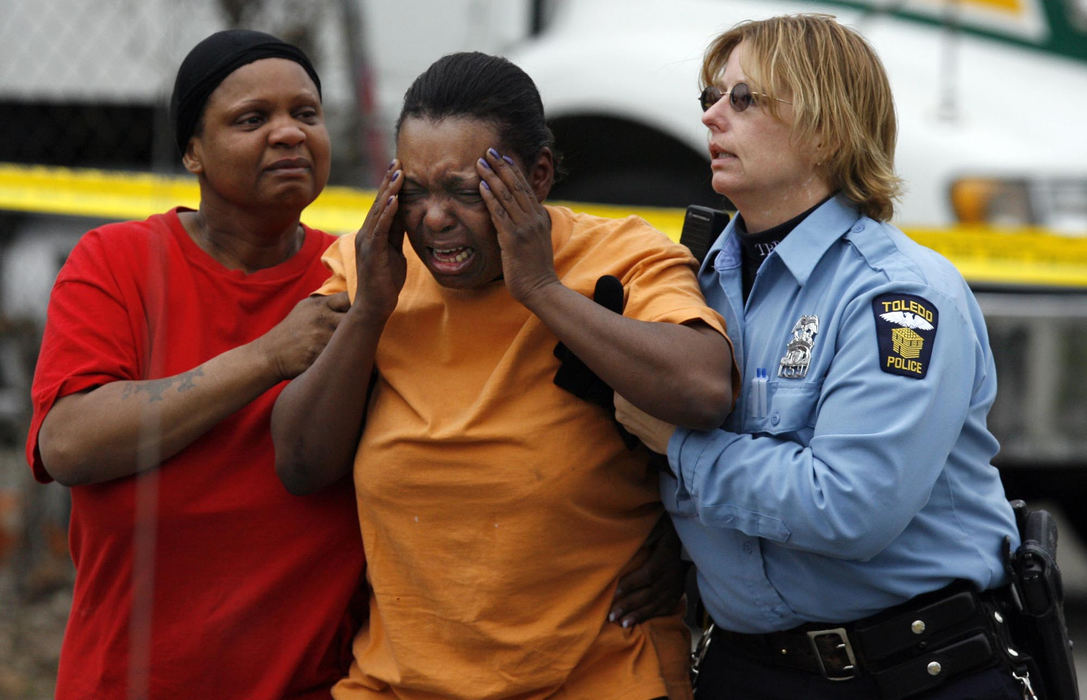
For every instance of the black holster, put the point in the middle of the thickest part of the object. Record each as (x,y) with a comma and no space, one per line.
(1036,605)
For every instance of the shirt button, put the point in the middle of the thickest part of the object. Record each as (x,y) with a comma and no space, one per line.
(858,228)
(775,419)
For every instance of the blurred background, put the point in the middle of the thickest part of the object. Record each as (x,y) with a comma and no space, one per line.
(991,98)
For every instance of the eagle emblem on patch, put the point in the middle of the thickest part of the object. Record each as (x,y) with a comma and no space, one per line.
(906,331)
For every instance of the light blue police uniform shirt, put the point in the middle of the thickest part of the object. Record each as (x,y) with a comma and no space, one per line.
(868,480)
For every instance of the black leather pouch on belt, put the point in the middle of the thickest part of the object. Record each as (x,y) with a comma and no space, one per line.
(935,639)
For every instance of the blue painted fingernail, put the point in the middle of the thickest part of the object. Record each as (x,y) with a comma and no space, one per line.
(391,164)
(395,176)
(494,153)
(508,159)
(484,163)
(485,185)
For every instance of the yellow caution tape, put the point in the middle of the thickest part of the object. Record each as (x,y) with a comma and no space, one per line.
(127,195)
(1015,257)
(1020,256)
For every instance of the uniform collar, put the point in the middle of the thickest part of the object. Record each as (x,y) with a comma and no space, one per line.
(725,251)
(805,246)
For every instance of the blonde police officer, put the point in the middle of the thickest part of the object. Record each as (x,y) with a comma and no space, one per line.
(845,521)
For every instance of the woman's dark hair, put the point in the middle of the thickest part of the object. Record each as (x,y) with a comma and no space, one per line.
(484,87)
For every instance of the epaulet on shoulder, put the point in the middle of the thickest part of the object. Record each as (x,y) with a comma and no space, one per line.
(888,248)
(875,240)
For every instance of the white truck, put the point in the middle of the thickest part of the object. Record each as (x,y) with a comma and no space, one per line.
(991,97)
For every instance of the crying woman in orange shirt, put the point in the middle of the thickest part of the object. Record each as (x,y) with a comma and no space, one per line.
(497,510)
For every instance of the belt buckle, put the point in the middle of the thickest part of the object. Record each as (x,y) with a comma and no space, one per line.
(843,648)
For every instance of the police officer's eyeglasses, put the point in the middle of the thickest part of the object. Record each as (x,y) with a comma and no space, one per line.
(740,97)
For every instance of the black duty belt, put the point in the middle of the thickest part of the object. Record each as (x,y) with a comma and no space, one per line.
(907,649)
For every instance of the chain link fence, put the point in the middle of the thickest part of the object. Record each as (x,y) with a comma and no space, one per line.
(86,85)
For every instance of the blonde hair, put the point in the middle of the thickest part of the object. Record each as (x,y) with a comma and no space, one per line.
(842,103)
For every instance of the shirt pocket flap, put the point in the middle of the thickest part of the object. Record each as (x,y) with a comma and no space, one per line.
(790,407)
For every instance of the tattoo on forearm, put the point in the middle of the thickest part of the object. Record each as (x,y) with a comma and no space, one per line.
(155,389)
(187,379)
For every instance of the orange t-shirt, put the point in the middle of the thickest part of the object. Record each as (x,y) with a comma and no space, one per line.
(498,510)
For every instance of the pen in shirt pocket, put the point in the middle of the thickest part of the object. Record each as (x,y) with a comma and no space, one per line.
(758,387)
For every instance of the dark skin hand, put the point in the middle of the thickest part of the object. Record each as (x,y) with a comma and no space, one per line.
(653,580)
(100,434)
(319,452)
(379,257)
(635,358)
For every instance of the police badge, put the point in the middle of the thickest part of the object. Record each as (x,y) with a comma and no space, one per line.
(794,365)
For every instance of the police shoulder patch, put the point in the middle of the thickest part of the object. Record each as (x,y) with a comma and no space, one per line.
(906,331)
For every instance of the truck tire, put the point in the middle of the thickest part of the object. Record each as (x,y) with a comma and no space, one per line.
(612,161)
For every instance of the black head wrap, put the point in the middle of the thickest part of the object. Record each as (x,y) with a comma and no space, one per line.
(211,61)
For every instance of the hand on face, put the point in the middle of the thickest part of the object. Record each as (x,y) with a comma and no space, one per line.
(379,254)
(522,224)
